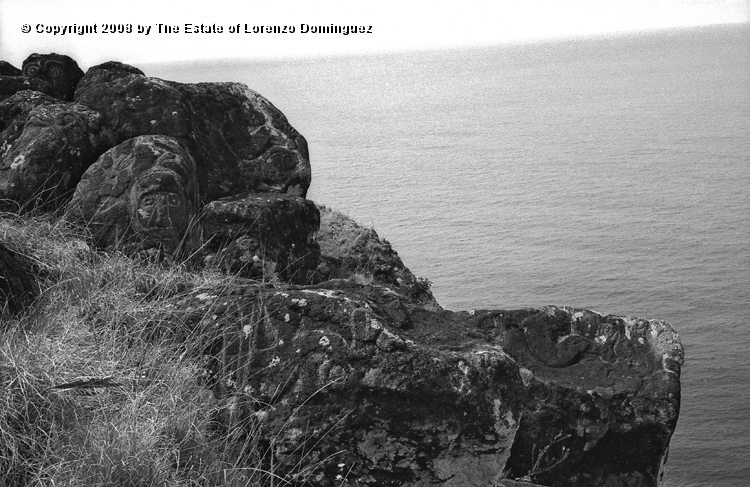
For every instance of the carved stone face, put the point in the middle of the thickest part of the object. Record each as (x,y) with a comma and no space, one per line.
(59,71)
(45,68)
(161,206)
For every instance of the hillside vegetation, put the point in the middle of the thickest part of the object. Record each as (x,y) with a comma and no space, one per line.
(92,393)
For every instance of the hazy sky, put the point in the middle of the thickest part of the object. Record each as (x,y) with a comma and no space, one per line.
(396,25)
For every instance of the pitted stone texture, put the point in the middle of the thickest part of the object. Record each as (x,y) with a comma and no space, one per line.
(263,235)
(329,385)
(601,391)
(239,140)
(348,249)
(140,195)
(45,147)
(106,72)
(14,111)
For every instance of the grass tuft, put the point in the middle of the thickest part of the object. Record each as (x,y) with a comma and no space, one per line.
(154,424)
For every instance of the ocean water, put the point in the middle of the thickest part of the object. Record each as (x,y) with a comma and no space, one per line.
(610,173)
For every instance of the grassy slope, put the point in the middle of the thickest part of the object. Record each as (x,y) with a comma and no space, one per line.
(91,321)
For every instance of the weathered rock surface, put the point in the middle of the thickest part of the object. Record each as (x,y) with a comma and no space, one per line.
(10,85)
(350,250)
(106,72)
(602,394)
(45,146)
(17,284)
(338,379)
(403,395)
(240,141)
(140,195)
(207,141)
(263,235)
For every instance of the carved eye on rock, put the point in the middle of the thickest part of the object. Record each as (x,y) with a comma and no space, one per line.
(31,70)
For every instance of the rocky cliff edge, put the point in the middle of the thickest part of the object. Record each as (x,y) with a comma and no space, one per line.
(308,351)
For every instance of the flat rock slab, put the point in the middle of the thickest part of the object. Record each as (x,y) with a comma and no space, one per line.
(336,392)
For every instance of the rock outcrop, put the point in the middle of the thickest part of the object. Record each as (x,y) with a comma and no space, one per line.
(240,141)
(336,364)
(141,156)
(401,395)
(602,392)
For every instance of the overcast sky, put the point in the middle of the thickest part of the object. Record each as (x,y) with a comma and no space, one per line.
(396,25)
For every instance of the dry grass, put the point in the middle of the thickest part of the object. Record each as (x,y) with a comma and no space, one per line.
(93,319)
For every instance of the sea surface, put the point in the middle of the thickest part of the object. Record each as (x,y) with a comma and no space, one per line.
(609,173)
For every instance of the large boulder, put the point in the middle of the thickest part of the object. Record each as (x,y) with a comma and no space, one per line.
(361,376)
(263,235)
(106,72)
(59,72)
(141,195)
(53,74)
(45,146)
(239,140)
(10,85)
(335,386)
(602,394)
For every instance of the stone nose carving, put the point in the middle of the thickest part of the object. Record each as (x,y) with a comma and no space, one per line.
(163,209)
